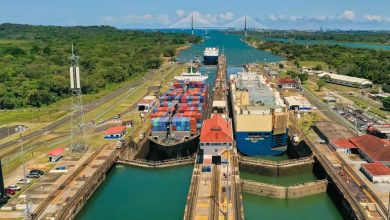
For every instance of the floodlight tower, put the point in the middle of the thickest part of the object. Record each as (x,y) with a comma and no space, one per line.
(78,136)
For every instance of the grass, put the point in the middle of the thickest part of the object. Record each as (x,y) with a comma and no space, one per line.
(312,63)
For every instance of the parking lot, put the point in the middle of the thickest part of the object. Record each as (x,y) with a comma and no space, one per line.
(356,117)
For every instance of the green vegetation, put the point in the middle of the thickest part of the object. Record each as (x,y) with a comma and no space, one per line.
(365,63)
(386,103)
(34,60)
(320,83)
(382,37)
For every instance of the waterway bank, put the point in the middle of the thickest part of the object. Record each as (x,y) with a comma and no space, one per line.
(327,42)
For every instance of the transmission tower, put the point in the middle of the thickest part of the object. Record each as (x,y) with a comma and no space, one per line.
(78,142)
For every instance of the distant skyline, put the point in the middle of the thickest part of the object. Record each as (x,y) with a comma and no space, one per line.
(274,14)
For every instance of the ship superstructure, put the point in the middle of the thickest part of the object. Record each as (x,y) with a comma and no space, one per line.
(210,56)
(259,115)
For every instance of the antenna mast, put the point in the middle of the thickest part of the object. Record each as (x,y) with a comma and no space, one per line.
(78,136)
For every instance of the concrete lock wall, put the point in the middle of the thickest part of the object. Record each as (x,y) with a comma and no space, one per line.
(275,168)
(281,192)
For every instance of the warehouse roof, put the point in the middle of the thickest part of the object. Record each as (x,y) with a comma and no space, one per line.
(287,80)
(342,143)
(115,130)
(298,100)
(377,169)
(56,152)
(377,149)
(346,78)
(216,129)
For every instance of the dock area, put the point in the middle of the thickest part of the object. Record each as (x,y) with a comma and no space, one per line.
(215,190)
(76,186)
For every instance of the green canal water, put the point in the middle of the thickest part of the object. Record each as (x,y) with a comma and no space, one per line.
(318,207)
(148,194)
(138,193)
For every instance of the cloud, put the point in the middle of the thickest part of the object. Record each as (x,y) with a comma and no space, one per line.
(348,15)
(180,13)
(373,18)
(146,19)
(228,16)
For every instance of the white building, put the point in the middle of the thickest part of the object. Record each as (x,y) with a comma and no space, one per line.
(346,80)
(376,172)
(297,102)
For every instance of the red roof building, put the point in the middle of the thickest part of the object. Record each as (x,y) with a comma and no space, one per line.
(55,154)
(216,130)
(216,135)
(288,83)
(373,148)
(376,172)
(342,145)
(116,132)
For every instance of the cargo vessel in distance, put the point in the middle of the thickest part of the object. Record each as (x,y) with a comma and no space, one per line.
(177,118)
(259,116)
(210,56)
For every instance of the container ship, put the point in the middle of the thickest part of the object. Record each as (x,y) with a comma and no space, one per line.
(259,116)
(177,118)
(210,56)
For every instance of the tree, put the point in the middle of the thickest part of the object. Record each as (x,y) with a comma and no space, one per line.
(320,83)
(318,67)
(386,103)
(296,63)
(386,88)
(281,66)
(303,77)
(292,73)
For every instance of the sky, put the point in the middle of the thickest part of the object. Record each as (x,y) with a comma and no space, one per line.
(273,14)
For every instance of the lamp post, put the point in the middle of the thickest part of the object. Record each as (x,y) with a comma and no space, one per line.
(20,129)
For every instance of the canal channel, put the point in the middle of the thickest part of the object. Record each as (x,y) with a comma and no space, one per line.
(139,193)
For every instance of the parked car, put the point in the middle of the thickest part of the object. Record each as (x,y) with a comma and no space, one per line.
(10,191)
(23,181)
(14,187)
(32,175)
(39,172)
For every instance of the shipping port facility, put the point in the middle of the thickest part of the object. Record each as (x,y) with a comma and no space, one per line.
(259,114)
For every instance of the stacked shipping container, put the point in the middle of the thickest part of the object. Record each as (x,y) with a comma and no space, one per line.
(181,107)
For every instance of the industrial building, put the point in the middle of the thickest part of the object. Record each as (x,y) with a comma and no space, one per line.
(376,172)
(297,103)
(346,80)
(116,132)
(373,148)
(379,130)
(146,103)
(216,137)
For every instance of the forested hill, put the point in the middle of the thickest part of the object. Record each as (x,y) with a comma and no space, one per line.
(34,60)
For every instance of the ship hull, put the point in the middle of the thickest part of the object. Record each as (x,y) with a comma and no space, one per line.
(160,151)
(210,60)
(261,143)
